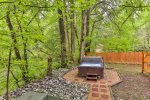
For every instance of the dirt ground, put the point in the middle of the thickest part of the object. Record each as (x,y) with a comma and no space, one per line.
(135,86)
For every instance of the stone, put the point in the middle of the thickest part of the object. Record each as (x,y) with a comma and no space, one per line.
(33,96)
(1,98)
(56,86)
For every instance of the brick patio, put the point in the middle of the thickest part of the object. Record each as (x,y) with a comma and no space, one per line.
(100,89)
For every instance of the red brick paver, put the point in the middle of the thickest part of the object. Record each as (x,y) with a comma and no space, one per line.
(95,89)
(95,94)
(95,85)
(104,90)
(102,82)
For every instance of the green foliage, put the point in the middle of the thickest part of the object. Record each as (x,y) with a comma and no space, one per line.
(117,26)
(114,25)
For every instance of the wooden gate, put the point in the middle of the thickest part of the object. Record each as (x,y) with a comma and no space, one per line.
(146,62)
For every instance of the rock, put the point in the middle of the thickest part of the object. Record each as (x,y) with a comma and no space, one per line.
(1,98)
(56,86)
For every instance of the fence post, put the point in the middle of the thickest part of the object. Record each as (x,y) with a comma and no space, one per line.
(142,62)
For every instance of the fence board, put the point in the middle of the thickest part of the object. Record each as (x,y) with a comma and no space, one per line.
(120,57)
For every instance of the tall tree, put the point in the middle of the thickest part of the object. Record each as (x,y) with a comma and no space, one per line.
(17,52)
(8,71)
(87,45)
(72,29)
(13,36)
(66,23)
(62,39)
(83,34)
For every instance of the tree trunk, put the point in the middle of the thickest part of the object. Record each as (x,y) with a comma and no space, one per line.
(76,34)
(17,53)
(13,36)
(66,22)
(49,67)
(83,33)
(26,61)
(87,45)
(15,78)
(8,71)
(72,30)
(25,55)
(62,39)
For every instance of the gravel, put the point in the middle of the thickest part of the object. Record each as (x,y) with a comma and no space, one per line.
(135,86)
(55,86)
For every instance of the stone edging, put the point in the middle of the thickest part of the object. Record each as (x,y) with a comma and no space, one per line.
(111,93)
(114,84)
(118,81)
(68,71)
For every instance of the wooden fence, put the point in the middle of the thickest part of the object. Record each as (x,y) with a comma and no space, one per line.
(146,63)
(120,57)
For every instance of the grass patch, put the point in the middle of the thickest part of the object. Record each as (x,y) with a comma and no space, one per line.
(125,68)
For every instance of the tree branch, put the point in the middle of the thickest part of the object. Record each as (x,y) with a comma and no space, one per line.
(32,19)
(3,17)
(94,6)
(8,72)
(127,18)
(6,2)
(17,81)
(39,6)
(31,52)
(140,6)
(29,5)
